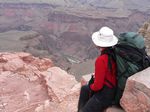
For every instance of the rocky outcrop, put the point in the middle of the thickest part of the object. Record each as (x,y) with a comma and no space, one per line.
(145,31)
(114,109)
(31,84)
(136,97)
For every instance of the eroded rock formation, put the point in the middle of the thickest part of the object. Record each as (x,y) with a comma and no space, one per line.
(31,84)
(145,31)
(136,97)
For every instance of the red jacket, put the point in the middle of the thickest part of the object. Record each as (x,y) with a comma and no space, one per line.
(102,73)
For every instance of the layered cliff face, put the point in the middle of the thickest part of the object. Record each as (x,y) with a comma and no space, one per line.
(64,28)
(32,84)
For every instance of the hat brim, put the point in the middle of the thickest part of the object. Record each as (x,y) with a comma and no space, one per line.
(98,42)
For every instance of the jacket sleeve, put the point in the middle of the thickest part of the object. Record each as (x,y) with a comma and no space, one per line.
(100,71)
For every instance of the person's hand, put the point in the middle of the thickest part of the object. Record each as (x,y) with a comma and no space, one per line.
(83,82)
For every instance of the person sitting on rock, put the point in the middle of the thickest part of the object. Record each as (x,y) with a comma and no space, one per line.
(99,93)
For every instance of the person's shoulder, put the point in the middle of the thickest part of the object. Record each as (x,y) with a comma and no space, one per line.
(102,57)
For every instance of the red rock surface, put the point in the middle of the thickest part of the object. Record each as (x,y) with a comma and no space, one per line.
(31,84)
(114,109)
(136,97)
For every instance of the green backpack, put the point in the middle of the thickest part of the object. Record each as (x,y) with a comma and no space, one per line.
(130,57)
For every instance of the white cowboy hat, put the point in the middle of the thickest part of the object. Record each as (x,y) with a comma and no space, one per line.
(104,37)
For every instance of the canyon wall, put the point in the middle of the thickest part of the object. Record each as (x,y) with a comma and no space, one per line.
(66,33)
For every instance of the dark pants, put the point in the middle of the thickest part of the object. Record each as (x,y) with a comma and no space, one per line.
(97,102)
